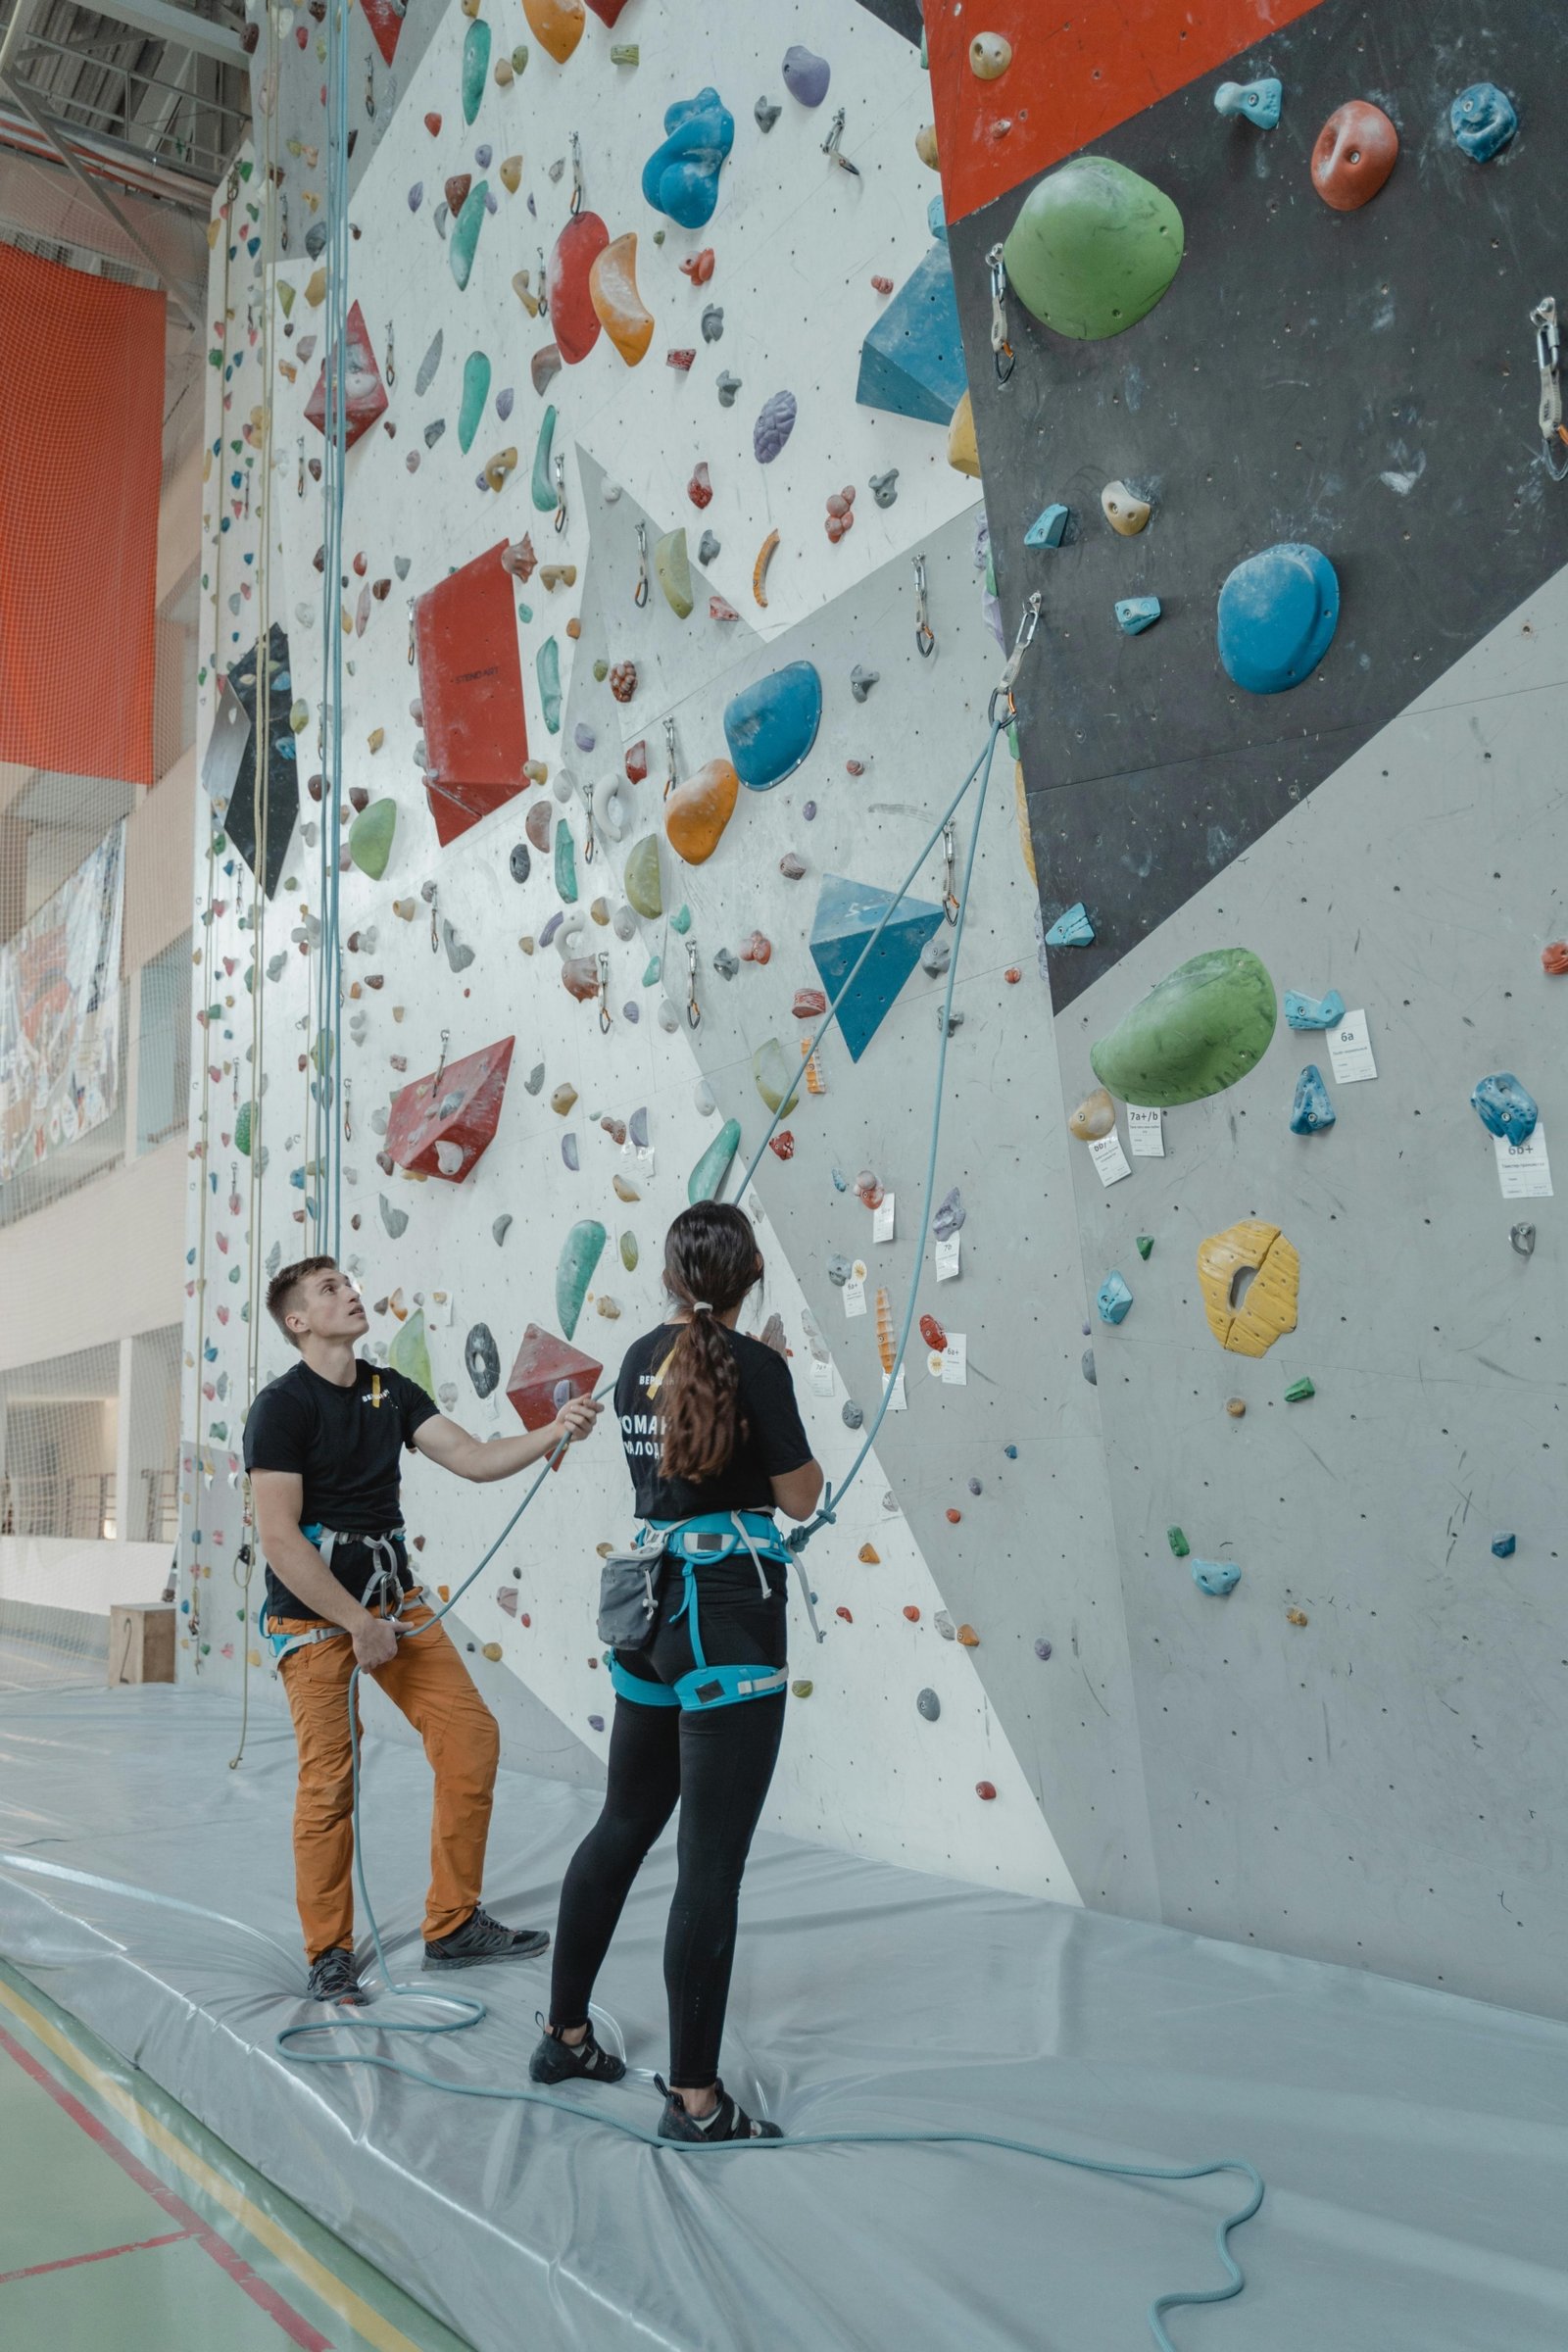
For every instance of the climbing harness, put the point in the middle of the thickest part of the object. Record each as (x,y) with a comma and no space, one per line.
(1002,356)
(1548,359)
(925,640)
(383,1590)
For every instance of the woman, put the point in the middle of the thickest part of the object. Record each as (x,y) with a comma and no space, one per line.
(715,1443)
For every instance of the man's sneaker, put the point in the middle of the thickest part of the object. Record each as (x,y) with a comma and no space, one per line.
(481,1938)
(557,2061)
(728,2121)
(335,1976)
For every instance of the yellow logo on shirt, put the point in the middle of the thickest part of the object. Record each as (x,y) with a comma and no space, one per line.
(374,1397)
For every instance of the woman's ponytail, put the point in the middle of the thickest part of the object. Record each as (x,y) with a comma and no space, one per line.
(711,1262)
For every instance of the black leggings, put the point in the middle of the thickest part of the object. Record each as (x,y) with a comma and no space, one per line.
(718,1767)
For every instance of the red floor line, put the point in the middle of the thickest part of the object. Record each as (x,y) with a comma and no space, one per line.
(70,2262)
(266,2297)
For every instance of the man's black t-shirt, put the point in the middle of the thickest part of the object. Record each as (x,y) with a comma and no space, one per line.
(345,1445)
(769,1441)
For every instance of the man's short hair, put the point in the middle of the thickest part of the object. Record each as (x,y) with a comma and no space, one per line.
(283,1285)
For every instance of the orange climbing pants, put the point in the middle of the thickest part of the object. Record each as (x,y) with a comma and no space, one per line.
(429,1682)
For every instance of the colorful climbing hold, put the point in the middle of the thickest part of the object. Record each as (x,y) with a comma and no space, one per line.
(409,1353)
(1202,1028)
(543,489)
(1216,1578)
(1313,1012)
(1254,102)
(673,571)
(465,238)
(371,835)
(1136,613)
(640,879)
(1113,1299)
(475,393)
(1047,527)
(1247,1318)
(1506,1106)
(847,915)
(1311,1111)
(1278,612)
(911,356)
(765,556)
(1177,1541)
(1094,1116)
(556,25)
(612,291)
(680,179)
(580,1254)
(707,1179)
(1300,1390)
(772,724)
(575,314)
(806,74)
(775,422)
(1483,120)
(1354,154)
(1093,249)
(475,66)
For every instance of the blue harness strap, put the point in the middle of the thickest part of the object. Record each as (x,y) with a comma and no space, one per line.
(709,1535)
(384,1588)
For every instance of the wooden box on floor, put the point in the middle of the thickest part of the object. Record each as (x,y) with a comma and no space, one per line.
(141,1642)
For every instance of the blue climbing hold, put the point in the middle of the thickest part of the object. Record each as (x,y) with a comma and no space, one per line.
(772,724)
(1047,528)
(1503,1547)
(1216,1578)
(912,362)
(680,179)
(936,220)
(1136,613)
(847,915)
(1113,1299)
(1256,102)
(1313,1012)
(1505,1108)
(1483,120)
(1278,613)
(1311,1111)
(1072,929)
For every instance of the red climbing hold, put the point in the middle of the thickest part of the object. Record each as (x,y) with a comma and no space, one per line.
(571,309)
(456,189)
(679,358)
(1554,959)
(1013,975)
(808,1004)
(912,1612)
(699,267)
(455,1108)
(934,1336)
(845,1614)
(432,124)
(719,608)
(699,489)
(954,1516)
(636,763)
(883,285)
(544,1365)
(756,948)
(783,1144)
(363,388)
(1354,152)
(623,680)
(984,1789)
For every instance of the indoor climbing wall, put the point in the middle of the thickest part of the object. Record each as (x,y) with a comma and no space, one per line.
(667,630)
(1263,357)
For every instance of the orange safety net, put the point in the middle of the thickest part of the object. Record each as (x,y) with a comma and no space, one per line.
(82,414)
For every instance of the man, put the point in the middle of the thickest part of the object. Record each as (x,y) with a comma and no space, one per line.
(322,1444)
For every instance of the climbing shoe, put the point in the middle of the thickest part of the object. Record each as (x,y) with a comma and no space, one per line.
(728,2121)
(557,2061)
(335,1976)
(481,1938)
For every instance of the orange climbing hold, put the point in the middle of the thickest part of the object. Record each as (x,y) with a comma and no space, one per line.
(617,305)
(699,267)
(869,1557)
(967,1633)
(954,1516)
(697,810)
(556,25)
(912,1612)
(816,1083)
(1554,959)
(765,556)
(886,1339)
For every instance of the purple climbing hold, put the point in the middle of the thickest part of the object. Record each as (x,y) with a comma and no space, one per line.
(808,810)
(568,1153)
(1042,1648)
(633,1013)
(504,403)
(596,1723)
(416,195)
(637,1128)
(583,736)
(806,74)
(552,927)
(773,428)
(481,156)
(950,1216)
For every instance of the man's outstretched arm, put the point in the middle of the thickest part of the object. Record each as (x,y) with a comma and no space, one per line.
(442,1441)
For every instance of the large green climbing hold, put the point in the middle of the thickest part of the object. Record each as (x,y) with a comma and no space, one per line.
(465,235)
(547,666)
(673,567)
(1093,249)
(544,482)
(410,1354)
(772,1074)
(707,1180)
(565,859)
(1206,1025)
(475,392)
(641,879)
(370,838)
(574,1271)
(244,1123)
(475,66)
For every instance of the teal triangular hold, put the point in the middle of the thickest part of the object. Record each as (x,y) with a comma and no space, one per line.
(913,360)
(847,915)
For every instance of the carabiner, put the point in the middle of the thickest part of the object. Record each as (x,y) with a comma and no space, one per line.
(694,1011)
(950,861)
(672,775)
(604,991)
(543,311)
(282,227)
(446,1035)
(388,371)
(639,595)
(560,493)
(1000,349)
(369,90)
(575,206)
(1548,359)
(1027,626)
(589,846)
(411,607)
(925,637)
(830,146)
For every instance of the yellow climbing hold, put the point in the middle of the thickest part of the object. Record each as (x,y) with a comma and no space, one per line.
(497,468)
(1249,1317)
(765,556)
(512,165)
(869,1557)
(925,145)
(492,1650)
(315,291)
(1025,837)
(963,453)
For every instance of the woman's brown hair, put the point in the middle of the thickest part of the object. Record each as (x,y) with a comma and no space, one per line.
(711,1262)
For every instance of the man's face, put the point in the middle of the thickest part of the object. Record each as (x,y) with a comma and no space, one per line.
(327,1307)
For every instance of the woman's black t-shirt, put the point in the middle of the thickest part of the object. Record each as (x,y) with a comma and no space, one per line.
(771,1438)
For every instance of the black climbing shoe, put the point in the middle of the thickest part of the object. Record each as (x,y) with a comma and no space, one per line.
(481,1938)
(557,2061)
(728,2121)
(335,1976)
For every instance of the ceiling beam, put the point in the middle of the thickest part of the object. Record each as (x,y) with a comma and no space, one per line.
(181,27)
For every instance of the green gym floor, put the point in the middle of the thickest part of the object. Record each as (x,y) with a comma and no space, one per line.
(125,2227)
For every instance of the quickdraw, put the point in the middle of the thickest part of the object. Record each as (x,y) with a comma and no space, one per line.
(1548,359)
(1002,355)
